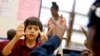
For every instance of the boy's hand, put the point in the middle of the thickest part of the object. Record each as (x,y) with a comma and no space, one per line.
(20,31)
(44,37)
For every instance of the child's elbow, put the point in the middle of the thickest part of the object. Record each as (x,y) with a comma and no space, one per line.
(5,53)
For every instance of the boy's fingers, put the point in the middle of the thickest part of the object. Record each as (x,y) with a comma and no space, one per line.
(42,33)
(21,25)
(61,16)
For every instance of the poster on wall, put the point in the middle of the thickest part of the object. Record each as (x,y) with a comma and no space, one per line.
(28,8)
(6,7)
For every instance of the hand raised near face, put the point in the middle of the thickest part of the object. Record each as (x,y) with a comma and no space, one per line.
(20,31)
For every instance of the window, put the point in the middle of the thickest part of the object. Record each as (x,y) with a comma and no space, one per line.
(65,6)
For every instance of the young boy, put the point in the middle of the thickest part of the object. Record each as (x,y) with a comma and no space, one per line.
(53,42)
(31,30)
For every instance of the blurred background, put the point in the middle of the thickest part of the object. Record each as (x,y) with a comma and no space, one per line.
(14,12)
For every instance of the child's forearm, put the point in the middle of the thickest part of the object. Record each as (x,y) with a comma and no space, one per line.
(7,49)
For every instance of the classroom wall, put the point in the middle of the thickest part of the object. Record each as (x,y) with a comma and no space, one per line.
(9,22)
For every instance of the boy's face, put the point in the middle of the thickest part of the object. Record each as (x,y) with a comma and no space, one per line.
(32,31)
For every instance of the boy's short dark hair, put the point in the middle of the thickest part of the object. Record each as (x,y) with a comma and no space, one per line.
(33,21)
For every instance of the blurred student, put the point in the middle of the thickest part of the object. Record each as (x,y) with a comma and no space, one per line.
(93,39)
(31,30)
(11,33)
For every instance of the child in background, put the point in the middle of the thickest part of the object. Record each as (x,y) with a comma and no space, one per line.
(10,34)
(55,19)
(31,30)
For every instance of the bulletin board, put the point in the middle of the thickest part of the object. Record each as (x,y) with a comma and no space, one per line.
(28,8)
(6,7)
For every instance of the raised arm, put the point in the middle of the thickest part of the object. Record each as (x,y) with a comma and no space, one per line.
(19,33)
